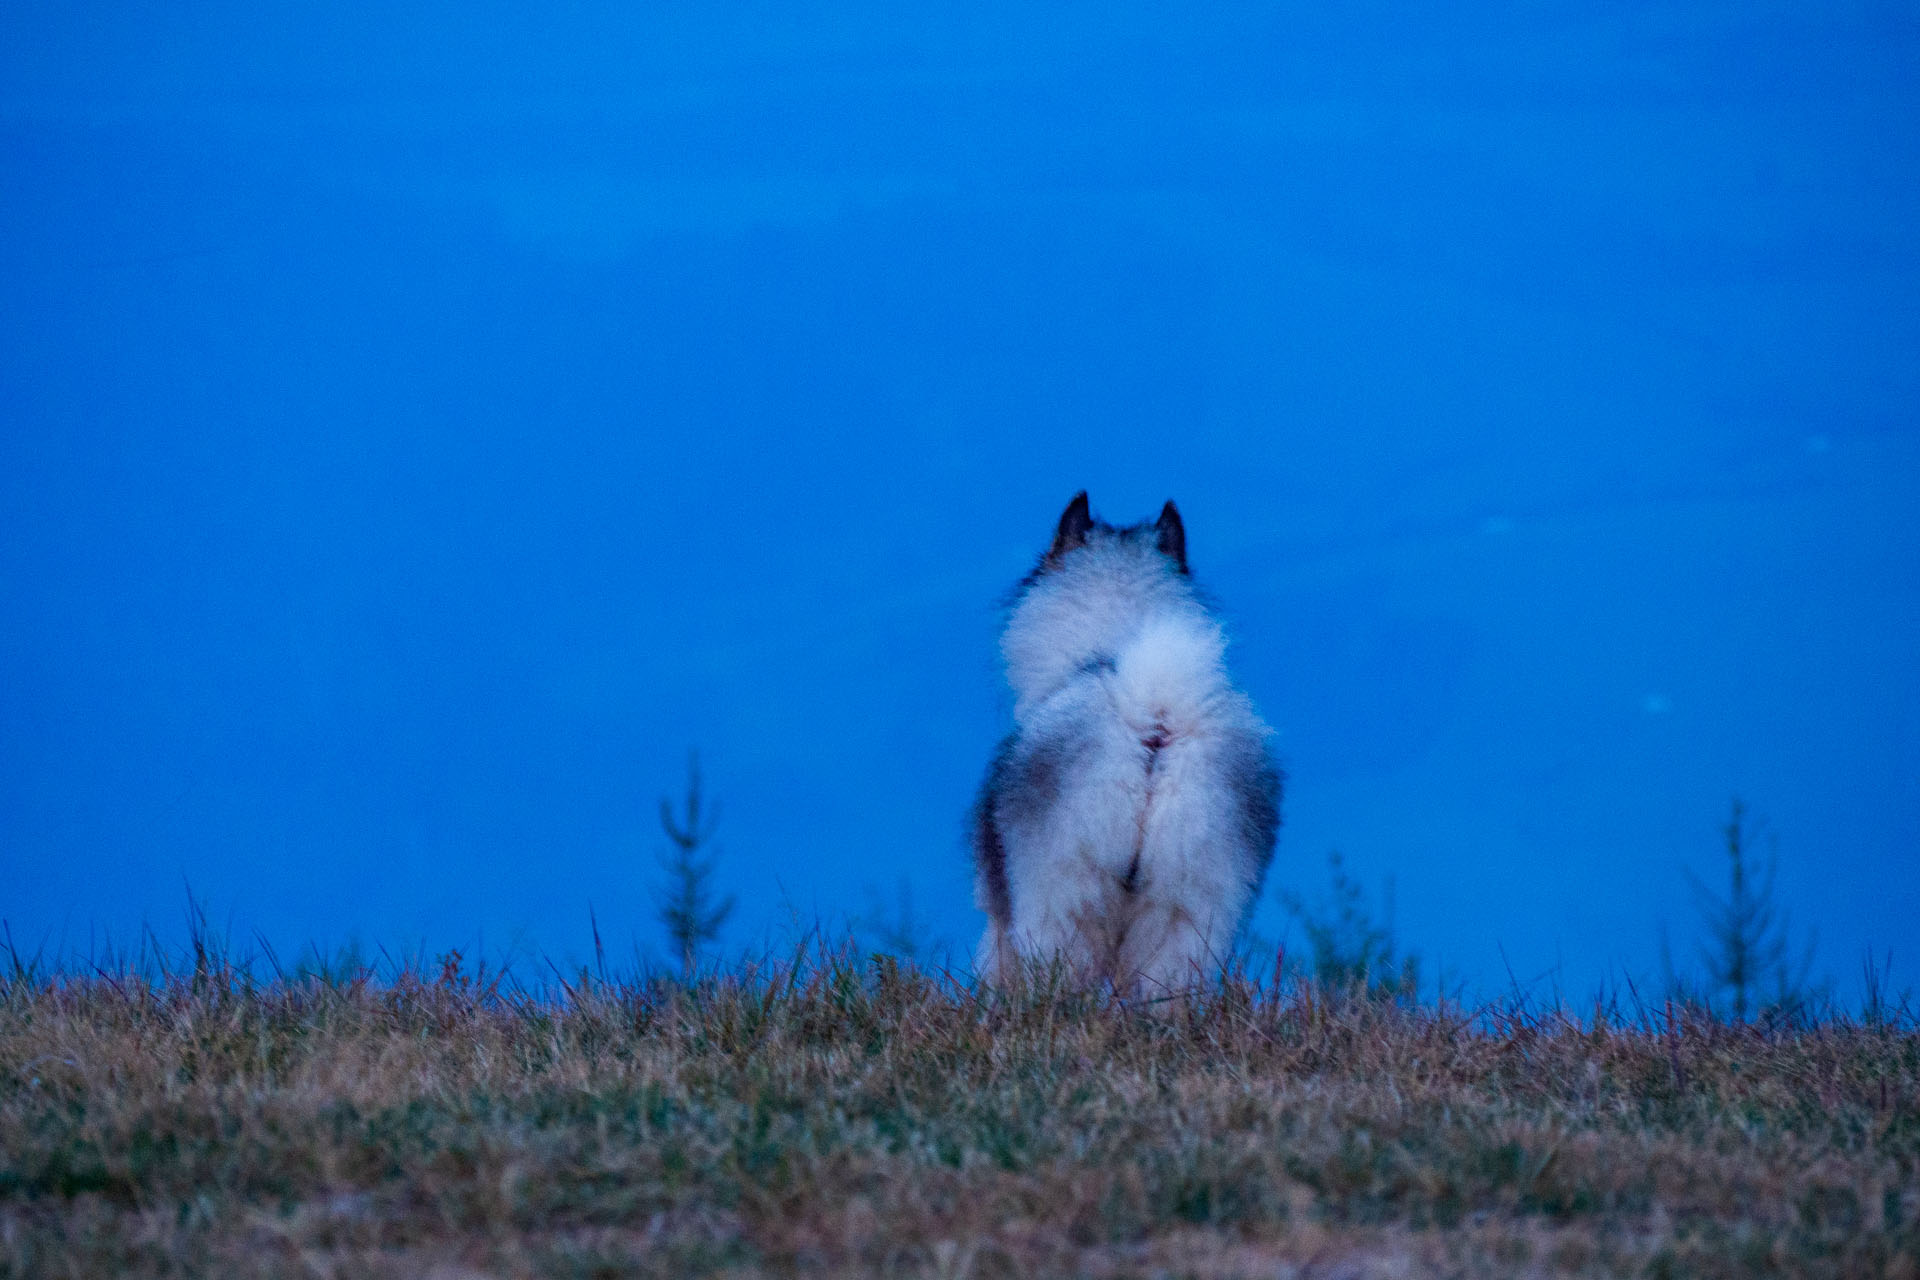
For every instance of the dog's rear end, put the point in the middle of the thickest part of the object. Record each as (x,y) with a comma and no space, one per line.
(1124,827)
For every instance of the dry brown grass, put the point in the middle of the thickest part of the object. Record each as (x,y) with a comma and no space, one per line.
(857,1117)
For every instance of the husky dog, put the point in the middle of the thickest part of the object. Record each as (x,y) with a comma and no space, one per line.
(1127,821)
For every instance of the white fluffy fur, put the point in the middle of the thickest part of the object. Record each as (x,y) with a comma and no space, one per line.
(1126,846)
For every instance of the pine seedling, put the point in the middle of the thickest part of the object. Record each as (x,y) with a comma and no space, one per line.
(1747,936)
(688,907)
(1353,954)
(900,933)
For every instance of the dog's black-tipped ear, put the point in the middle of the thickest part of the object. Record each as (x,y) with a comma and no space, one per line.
(1075,522)
(1173,535)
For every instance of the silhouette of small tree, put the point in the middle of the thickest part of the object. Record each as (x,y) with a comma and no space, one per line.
(1352,953)
(901,933)
(1748,944)
(688,909)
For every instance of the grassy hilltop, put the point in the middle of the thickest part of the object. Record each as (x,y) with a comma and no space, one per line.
(853,1116)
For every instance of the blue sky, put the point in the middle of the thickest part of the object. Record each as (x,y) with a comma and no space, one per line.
(420,425)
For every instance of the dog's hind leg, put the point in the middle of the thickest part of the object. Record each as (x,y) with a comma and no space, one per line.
(1174,949)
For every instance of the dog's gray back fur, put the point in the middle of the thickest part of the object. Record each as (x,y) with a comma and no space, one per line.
(1126,823)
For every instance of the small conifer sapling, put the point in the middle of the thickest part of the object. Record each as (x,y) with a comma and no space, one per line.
(689,909)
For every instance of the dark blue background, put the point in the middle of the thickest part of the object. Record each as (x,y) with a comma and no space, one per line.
(422,423)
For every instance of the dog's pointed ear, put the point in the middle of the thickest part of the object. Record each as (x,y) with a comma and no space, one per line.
(1075,522)
(1172,535)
